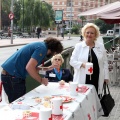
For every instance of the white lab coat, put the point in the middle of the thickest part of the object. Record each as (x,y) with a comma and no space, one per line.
(80,55)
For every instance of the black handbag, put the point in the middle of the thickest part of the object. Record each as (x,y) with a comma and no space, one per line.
(107,101)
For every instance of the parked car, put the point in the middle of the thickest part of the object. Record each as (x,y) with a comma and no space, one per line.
(110,32)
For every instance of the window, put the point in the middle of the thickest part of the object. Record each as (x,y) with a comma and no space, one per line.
(69,3)
(79,3)
(52,3)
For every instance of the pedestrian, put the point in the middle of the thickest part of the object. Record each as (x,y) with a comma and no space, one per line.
(58,73)
(81,37)
(26,61)
(38,32)
(9,33)
(92,51)
(62,32)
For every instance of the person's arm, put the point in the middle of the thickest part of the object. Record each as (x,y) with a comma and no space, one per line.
(74,62)
(33,72)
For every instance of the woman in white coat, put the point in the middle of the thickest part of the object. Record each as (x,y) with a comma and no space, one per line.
(89,50)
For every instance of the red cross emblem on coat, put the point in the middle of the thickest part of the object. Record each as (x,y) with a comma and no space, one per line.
(90,69)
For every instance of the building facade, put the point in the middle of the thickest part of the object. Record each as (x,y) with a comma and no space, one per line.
(71,8)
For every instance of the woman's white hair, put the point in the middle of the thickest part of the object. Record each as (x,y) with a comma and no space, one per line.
(88,25)
(57,55)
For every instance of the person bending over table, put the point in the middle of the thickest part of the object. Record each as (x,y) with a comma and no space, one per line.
(89,50)
(26,61)
(58,74)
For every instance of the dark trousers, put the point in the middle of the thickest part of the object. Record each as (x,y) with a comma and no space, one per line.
(38,35)
(62,35)
(13,86)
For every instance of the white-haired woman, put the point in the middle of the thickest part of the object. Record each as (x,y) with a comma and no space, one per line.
(89,50)
(57,74)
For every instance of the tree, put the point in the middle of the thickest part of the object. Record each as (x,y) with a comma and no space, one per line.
(5,11)
(28,13)
(83,19)
(103,26)
(17,9)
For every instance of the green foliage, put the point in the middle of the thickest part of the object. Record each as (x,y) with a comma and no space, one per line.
(83,19)
(75,29)
(103,26)
(66,32)
(29,13)
(5,11)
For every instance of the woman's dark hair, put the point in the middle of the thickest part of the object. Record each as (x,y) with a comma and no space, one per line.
(54,44)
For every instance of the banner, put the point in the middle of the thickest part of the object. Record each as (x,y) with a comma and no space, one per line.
(58,16)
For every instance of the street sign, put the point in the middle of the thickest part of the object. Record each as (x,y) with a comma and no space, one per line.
(11,16)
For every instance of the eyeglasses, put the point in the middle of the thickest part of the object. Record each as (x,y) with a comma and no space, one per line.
(57,59)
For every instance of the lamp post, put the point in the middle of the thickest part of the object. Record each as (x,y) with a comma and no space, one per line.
(41,13)
(23,15)
(0,14)
(69,34)
(12,22)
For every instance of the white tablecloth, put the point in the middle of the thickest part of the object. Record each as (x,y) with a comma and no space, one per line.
(84,106)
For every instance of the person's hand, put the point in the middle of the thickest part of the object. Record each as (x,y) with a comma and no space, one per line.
(106,80)
(44,81)
(83,65)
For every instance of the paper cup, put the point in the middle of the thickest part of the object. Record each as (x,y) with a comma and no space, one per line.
(57,106)
(89,68)
(45,114)
(73,86)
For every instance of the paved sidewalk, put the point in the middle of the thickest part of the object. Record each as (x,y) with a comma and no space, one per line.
(23,41)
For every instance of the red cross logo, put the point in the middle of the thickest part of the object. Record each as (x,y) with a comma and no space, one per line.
(77,89)
(61,107)
(89,117)
(50,118)
(90,70)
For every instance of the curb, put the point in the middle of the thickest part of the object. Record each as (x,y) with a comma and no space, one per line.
(18,44)
(12,45)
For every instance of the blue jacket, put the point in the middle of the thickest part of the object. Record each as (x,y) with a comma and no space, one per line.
(66,76)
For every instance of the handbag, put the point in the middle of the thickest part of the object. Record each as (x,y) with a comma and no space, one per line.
(107,101)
